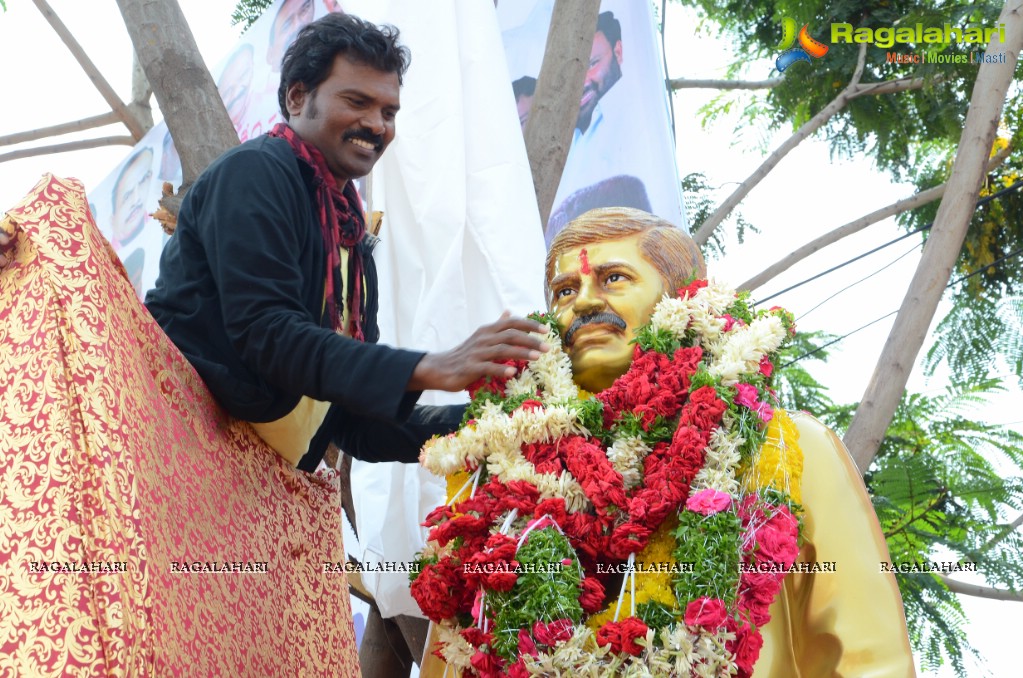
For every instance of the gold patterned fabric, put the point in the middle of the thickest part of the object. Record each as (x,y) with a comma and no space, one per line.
(143,532)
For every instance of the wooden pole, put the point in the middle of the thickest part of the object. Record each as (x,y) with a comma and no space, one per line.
(108,93)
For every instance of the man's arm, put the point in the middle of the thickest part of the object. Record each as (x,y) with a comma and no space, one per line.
(377,440)
(253,246)
(6,242)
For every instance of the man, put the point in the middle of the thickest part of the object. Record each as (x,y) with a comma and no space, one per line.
(524,90)
(605,67)
(605,273)
(290,18)
(131,190)
(268,285)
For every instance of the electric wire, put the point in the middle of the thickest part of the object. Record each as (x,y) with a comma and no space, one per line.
(914,248)
(981,202)
(887,315)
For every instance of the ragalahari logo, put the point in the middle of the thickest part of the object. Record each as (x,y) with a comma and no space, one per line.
(808,47)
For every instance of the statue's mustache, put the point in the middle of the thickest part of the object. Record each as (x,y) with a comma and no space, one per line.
(602,318)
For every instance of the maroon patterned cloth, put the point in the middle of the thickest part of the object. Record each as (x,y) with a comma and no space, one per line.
(342,224)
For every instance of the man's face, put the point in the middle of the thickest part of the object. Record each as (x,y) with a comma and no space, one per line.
(604,71)
(350,117)
(129,198)
(524,103)
(293,15)
(601,294)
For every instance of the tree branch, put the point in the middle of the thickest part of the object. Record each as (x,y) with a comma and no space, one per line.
(685,83)
(809,127)
(188,97)
(830,238)
(980,591)
(1006,531)
(893,86)
(888,381)
(69,146)
(63,128)
(108,93)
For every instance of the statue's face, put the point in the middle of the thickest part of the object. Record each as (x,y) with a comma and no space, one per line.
(602,293)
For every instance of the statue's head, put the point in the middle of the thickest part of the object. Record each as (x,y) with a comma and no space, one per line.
(605,273)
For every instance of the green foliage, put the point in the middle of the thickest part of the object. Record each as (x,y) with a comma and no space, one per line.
(657,616)
(886,127)
(940,486)
(797,389)
(246,12)
(711,545)
(943,486)
(540,594)
(913,135)
(975,337)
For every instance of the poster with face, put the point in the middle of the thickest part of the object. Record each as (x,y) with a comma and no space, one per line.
(622,151)
(248,79)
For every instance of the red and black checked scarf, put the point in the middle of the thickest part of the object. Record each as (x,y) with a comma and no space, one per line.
(343,225)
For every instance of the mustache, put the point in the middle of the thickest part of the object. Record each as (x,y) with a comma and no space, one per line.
(602,318)
(365,135)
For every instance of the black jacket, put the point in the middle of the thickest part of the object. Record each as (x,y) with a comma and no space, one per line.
(241,294)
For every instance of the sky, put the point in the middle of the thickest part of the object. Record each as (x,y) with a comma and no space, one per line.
(808,194)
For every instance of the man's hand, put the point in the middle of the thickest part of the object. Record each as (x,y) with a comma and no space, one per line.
(6,248)
(480,355)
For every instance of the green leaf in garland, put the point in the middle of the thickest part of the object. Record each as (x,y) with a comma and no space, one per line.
(712,544)
(539,595)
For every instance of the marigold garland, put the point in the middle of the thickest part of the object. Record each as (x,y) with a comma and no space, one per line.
(666,505)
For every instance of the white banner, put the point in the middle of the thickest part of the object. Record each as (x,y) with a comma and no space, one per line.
(248,79)
(623,152)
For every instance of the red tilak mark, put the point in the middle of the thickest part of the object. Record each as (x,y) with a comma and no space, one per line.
(584,262)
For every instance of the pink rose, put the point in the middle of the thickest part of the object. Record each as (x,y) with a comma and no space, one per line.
(747,395)
(709,501)
(707,612)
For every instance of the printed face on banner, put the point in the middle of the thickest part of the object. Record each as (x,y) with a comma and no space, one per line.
(524,89)
(291,17)
(604,71)
(623,151)
(170,162)
(131,189)
(602,293)
(235,83)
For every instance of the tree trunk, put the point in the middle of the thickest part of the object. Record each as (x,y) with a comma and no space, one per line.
(888,382)
(559,87)
(184,88)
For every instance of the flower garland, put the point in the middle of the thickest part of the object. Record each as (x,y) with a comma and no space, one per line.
(681,475)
